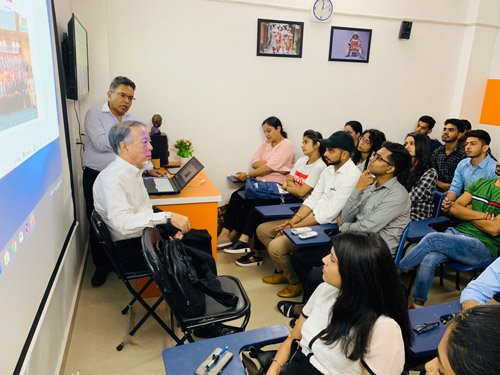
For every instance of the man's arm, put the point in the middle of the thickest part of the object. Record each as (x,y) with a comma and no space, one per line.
(482,289)
(444,186)
(480,220)
(457,184)
(386,211)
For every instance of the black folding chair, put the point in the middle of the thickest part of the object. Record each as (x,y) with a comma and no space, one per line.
(104,237)
(215,312)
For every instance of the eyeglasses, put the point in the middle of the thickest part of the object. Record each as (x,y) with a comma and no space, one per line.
(425,327)
(125,96)
(376,157)
(366,141)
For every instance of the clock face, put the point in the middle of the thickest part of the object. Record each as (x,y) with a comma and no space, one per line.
(322,10)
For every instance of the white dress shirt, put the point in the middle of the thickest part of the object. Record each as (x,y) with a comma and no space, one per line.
(121,199)
(332,191)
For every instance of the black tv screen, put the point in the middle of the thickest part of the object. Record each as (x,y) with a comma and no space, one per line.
(77,64)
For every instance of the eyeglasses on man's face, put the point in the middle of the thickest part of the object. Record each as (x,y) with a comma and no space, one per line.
(376,156)
(124,96)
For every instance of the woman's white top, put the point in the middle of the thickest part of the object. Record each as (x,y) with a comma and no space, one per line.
(308,174)
(385,354)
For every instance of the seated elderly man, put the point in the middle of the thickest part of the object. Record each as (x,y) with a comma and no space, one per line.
(121,199)
(474,241)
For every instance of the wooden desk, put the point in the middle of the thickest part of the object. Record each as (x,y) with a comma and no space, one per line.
(198,201)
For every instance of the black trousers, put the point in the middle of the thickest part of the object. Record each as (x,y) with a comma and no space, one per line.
(129,252)
(98,255)
(299,365)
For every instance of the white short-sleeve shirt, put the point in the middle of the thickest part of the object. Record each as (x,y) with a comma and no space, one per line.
(385,354)
(308,174)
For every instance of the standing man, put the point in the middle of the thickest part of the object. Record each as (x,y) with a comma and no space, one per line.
(98,154)
(446,158)
(425,124)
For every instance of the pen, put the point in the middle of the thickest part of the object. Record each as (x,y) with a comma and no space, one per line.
(215,358)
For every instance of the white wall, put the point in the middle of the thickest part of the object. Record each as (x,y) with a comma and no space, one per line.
(194,62)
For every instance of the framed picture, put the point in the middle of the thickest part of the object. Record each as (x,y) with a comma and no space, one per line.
(279,38)
(349,44)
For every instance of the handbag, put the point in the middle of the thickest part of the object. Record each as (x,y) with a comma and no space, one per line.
(256,189)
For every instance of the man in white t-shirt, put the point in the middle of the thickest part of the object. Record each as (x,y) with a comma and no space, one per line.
(329,196)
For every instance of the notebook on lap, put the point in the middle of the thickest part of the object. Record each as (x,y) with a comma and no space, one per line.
(174,184)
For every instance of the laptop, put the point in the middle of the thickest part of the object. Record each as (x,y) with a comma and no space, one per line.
(174,184)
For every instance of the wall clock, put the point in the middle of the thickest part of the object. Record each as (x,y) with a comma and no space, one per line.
(322,10)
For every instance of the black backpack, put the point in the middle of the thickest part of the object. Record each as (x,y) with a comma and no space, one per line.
(191,274)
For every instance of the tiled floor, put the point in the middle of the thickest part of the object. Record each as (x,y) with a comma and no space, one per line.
(99,326)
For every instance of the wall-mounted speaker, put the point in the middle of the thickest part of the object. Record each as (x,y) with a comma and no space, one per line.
(405,30)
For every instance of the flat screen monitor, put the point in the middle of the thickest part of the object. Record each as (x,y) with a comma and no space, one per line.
(76,60)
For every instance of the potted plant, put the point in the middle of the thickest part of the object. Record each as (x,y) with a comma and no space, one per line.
(184,149)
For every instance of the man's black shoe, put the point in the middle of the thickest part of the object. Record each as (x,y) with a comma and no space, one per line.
(214,330)
(99,277)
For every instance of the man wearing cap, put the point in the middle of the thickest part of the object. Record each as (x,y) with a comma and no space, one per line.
(334,187)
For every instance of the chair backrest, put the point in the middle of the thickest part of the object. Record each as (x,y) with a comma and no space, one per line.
(437,200)
(103,235)
(150,240)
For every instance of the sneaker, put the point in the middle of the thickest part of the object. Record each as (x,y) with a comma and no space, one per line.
(291,290)
(223,242)
(276,278)
(238,247)
(249,260)
(292,322)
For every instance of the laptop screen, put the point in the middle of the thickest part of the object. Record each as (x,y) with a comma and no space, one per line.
(188,172)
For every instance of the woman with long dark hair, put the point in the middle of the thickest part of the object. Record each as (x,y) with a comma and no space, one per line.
(299,183)
(421,181)
(356,322)
(272,161)
(370,142)
(355,129)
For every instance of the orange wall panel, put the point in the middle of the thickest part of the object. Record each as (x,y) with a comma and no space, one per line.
(491,105)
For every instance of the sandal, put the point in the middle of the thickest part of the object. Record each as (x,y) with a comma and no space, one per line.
(286,308)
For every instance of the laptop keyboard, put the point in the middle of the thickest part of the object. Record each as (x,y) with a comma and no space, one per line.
(163,184)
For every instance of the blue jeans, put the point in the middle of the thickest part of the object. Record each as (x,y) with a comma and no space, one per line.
(437,248)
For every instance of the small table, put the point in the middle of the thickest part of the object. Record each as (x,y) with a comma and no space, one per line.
(322,239)
(185,359)
(425,344)
(278,211)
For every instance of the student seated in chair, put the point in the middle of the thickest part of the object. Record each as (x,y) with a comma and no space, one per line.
(334,187)
(481,290)
(121,199)
(474,241)
(351,324)
(470,344)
